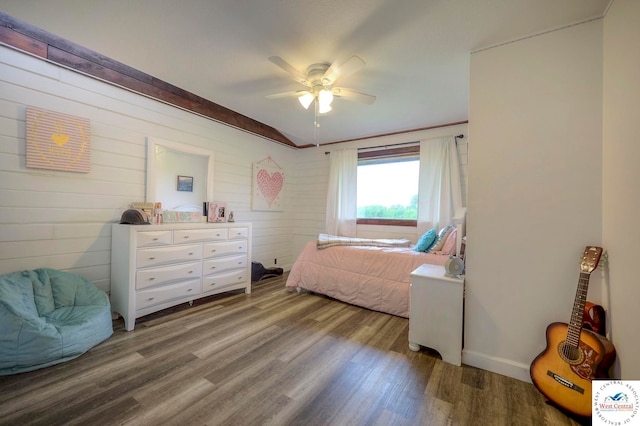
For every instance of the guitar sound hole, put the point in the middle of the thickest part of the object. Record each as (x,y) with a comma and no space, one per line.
(571,354)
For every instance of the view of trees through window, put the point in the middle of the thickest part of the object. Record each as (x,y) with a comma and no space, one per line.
(389,189)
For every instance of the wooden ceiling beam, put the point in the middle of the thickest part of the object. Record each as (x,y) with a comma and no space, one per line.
(26,37)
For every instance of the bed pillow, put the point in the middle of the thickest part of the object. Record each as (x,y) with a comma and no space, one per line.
(426,241)
(442,237)
(449,246)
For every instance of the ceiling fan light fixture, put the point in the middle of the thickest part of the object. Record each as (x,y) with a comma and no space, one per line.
(325,97)
(306,99)
(323,109)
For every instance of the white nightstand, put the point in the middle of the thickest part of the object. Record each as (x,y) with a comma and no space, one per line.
(436,312)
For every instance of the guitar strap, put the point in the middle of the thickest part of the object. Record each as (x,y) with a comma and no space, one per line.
(594,318)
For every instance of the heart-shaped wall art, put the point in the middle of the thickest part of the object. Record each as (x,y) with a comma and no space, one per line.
(270,185)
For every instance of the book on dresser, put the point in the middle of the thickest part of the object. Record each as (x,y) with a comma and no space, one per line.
(154,267)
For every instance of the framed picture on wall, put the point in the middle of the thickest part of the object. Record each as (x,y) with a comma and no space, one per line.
(217,211)
(185,183)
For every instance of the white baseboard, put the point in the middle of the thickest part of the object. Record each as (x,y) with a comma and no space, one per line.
(503,366)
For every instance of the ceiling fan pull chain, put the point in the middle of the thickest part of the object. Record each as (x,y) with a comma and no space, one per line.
(316,123)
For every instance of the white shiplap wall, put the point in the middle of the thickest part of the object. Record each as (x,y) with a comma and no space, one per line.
(63,220)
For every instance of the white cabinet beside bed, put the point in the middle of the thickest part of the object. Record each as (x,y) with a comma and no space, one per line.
(436,312)
(154,267)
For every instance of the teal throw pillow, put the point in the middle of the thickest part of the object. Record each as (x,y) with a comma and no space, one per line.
(426,241)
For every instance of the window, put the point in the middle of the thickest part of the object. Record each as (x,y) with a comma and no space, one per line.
(388,186)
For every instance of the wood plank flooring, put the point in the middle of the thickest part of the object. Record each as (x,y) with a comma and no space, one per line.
(267,358)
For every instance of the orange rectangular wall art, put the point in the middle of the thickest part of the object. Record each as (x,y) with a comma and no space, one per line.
(58,141)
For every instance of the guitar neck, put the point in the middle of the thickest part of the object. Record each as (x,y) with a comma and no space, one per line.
(575,325)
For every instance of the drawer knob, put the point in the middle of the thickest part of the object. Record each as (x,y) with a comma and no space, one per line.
(152,258)
(240,262)
(191,272)
(213,267)
(186,236)
(152,278)
(213,250)
(190,254)
(155,238)
(190,289)
(150,299)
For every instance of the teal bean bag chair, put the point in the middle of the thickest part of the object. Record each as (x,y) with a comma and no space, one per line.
(48,317)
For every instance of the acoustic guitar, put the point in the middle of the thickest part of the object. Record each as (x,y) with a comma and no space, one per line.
(574,355)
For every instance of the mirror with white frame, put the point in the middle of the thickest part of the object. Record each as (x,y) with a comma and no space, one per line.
(166,161)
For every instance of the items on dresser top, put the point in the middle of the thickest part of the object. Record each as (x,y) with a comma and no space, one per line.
(158,266)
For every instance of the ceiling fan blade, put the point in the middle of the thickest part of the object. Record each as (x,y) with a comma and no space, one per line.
(288,94)
(353,95)
(294,73)
(351,66)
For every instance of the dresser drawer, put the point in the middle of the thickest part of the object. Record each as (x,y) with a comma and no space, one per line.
(194,235)
(171,254)
(157,266)
(153,238)
(214,282)
(156,276)
(215,265)
(238,233)
(224,249)
(155,296)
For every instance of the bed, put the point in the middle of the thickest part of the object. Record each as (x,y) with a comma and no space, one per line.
(372,276)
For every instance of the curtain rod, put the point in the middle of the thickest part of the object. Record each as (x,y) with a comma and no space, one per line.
(460,136)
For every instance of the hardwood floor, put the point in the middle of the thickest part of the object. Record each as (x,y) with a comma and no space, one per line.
(268,358)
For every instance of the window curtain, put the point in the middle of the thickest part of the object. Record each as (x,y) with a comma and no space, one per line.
(342,193)
(440,188)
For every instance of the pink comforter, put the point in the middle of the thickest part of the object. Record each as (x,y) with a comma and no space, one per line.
(377,278)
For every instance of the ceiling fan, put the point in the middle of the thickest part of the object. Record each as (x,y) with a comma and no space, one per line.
(319,80)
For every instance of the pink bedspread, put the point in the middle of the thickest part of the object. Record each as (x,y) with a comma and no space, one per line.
(377,278)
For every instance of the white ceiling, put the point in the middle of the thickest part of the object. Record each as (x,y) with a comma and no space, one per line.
(416,51)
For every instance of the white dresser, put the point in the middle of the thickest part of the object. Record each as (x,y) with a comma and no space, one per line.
(436,312)
(154,267)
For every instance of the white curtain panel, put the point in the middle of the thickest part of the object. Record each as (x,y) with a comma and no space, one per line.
(440,188)
(342,193)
